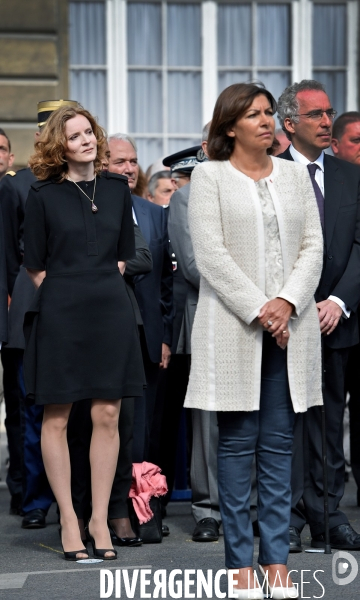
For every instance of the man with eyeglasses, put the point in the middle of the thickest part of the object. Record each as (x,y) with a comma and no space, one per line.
(306,116)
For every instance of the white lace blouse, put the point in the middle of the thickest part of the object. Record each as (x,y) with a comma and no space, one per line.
(274,269)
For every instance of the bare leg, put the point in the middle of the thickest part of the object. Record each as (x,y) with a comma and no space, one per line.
(104,451)
(56,459)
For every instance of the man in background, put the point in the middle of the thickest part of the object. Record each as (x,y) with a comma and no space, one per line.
(153,291)
(161,188)
(345,145)
(181,165)
(203,473)
(345,141)
(6,156)
(170,398)
(30,491)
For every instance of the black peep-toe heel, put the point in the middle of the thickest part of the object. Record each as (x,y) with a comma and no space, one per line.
(99,552)
(73,555)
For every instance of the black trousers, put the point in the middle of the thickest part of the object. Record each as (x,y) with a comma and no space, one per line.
(353,387)
(307,468)
(145,407)
(79,436)
(165,429)
(10,358)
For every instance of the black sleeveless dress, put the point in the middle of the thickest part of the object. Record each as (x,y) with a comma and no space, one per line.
(81,332)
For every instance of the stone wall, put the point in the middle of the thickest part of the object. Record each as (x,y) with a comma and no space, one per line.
(33,65)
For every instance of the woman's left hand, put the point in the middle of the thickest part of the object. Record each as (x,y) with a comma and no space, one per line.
(274,317)
(283,338)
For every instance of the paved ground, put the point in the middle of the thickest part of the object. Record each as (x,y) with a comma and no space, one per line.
(31,565)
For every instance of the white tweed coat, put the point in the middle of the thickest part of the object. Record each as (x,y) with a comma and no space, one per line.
(227,232)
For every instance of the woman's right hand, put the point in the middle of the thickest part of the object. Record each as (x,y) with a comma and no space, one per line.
(274,317)
(122,266)
(37,277)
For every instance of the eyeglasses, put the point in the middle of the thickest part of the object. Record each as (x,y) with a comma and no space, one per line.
(316,115)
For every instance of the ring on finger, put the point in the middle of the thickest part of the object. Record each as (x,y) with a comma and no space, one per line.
(285,331)
(269,323)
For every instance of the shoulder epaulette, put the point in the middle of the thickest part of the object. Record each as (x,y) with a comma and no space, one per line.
(37,185)
(111,175)
(11,173)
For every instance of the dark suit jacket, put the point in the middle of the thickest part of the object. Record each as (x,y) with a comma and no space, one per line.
(13,194)
(141,264)
(3,286)
(154,291)
(341,270)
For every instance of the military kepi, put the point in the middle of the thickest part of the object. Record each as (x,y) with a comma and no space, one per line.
(46,107)
(185,160)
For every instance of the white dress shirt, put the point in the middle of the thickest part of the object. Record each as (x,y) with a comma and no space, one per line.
(134,216)
(319,173)
(319,178)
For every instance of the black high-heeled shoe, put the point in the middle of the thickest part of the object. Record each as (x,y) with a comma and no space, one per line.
(99,552)
(73,555)
(129,542)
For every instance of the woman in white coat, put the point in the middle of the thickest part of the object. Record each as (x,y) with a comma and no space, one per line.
(256,348)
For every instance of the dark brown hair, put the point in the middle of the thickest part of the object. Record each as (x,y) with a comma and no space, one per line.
(342,121)
(230,106)
(48,160)
(2,132)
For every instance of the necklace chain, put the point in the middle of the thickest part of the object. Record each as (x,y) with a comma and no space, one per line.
(94,208)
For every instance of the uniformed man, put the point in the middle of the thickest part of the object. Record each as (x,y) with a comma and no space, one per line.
(31,493)
(182,164)
(186,284)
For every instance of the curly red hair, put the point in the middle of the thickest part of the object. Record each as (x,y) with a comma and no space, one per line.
(48,160)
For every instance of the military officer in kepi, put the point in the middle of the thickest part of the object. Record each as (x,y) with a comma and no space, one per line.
(34,497)
(181,165)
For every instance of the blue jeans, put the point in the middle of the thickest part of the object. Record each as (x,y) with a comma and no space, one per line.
(267,433)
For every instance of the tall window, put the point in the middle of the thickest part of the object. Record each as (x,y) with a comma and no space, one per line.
(254,44)
(164,76)
(169,59)
(87,40)
(329,51)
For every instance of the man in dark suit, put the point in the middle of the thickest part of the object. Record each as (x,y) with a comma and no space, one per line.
(345,144)
(153,291)
(6,156)
(306,116)
(31,494)
(14,189)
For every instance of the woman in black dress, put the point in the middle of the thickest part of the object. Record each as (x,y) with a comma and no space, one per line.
(81,332)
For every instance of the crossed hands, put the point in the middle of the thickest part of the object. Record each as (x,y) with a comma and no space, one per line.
(274,317)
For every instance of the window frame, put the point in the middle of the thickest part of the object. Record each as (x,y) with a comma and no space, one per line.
(301,57)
